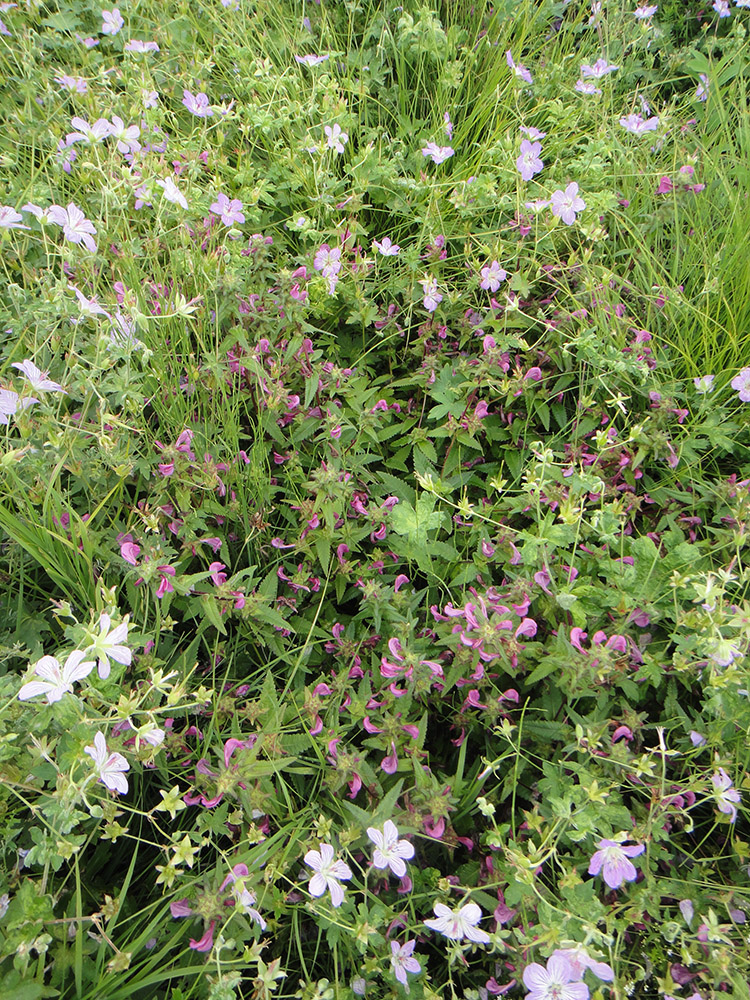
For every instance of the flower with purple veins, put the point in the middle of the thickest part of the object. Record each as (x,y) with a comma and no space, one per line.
(10,218)
(566,204)
(579,960)
(126,135)
(638,125)
(458,924)
(520,71)
(137,45)
(385,247)
(98,132)
(587,87)
(390,852)
(612,859)
(75,226)
(110,767)
(197,104)
(312,60)
(56,679)
(726,794)
(741,382)
(335,138)
(492,275)
(37,378)
(599,69)
(112,21)
(432,297)
(438,154)
(230,210)
(328,874)
(529,163)
(704,383)
(646,11)
(555,982)
(402,961)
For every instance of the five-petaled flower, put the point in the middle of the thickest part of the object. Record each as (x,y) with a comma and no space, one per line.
(565,204)
(110,767)
(555,982)
(230,210)
(112,21)
(612,859)
(75,226)
(36,378)
(172,192)
(492,274)
(197,104)
(458,924)
(432,297)
(385,247)
(335,138)
(108,644)
(741,382)
(402,961)
(56,680)
(725,793)
(529,163)
(438,154)
(329,873)
(10,218)
(389,850)
(638,125)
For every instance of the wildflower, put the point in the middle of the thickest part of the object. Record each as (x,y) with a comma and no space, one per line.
(136,45)
(386,248)
(565,204)
(532,133)
(741,382)
(403,962)
(697,739)
(665,185)
(638,125)
(89,307)
(38,379)
(98,132)
(599,69)
(448,125)
(328,873)
(75,226)
(56,680)
(389,850)
(458,924)
(10,218)
(701,91)
(704,383)
(579,960)
(312,60)
(126,135)
(10,402)
(328,260)
(172,192)
(150,98)
(726,795)
(492,275)
(722,8)
(612,860)
(112,21)
(335,138)
(438,154)
(230,210)
(646,11)
(244,899)
(107,644)
(555,982)
(76,84)
(587,88)
(432,297)
(521,72)
(528,163)
(109,766)
(197,104)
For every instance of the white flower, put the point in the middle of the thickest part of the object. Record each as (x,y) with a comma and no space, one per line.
(75,226)
(458,924)
(98,132)
(56,680)
(37,378)
(10,218)
(107,644)
(172,192)
(327,873)
(335,138)
(10,402)
(246,902)
(389,850)
(109,766)
(89,307)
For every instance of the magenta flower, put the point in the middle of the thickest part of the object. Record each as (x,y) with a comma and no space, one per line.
(230,210)
(197,104)
(565,204)
(403,962)
(112,21)
(432,297)
(741,382)
(492,275)
(529,163)
(438,154)
(726,795)
(75,226)
(555,982)
(613,861)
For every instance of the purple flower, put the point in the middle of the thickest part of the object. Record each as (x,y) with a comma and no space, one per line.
(492,275)
(726,795)
(599,69)
(75,83)
(528,163)
(579,960)
(229,210)
(704,383)
(432,297)
(402,961)
(741,382)
(136,45)
(448,125)
(587,88)
(638,125)
(328,261)
(520,71)
(701,91)
(75,226)
(98,132)
(126,136)
(532,133)
(312,60)
(644,12)
(612,860)
(555,982)
(111,21)
(722,8)
(37,378)
(197,104)
(385,247)
(565,204)
(438,154)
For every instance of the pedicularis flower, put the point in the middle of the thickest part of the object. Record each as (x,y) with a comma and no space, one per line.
(389,850)
(613,861)
(329,873)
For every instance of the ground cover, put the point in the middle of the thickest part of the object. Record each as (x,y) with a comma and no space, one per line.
(374,492)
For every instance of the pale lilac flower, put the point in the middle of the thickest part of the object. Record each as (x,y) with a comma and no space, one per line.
(335,138)
(741,382)
(328,260)
(638,125)
(697,739)
(704,383)
(136,45)
(584,87)
(76,84)
(521,72)
(122,335)
(126,136)
(742,3)
(110,767)
(687,910)
(646,11)
(112,21)
(448,126)
(230,210)
(529,163)
(56,680)
(438,154)
(108,645)
(4,29)
(566,204)
(244,899)
(98,132)
(90,43)
(612,860)
(726,795)
(10,402)
(722,8)
(197,104)
(555,982)
(37,379)
(599,69)
(385,247)
(42,214)
(403,962)
(596,9)
(75,226)
(312,60)
(432,297)
(389,850)
(328,873)
(150,98)
(172,192)
(532,133)
(89,307)
(10,218)
(458,924)
(231,4)
(492,275)
(578,960)
(701,91)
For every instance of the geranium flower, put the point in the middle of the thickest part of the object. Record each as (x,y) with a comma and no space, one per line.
(432,297)
(328,873)
(75,226)
(722,8)
(230,210)
(10,218)
(701,91)
(458,924)
(112,21)
(403,962)
(492,275)
(74,83)
(599,69)
(438,154)
(520,71)
(110,767)
(89,307)
(726,795)
(385,247)
(529,163)
(312,60)
(197,104)
(389,850)
(108,644)
(38,379)
(565,204)
(56,680)
(638,125)
(578,960)
(172,192)
(10,402)
(644,12)
(335,138)
(555,982)
(98,132)
(126,135)
(741,382)
(136,45)
(587,87)
(613,861)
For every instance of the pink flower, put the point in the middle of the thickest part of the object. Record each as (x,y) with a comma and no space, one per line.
(197,104)
(403,962)
(229,210)
(130,551)
(75,226)
(386,248)
(665,186)
(726,795)
(565,204)
(612,860)
(217,577)
(390,852)
(110,767)
(555,982)
(741,382)
(528,163)
(432,297)
(438,154)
